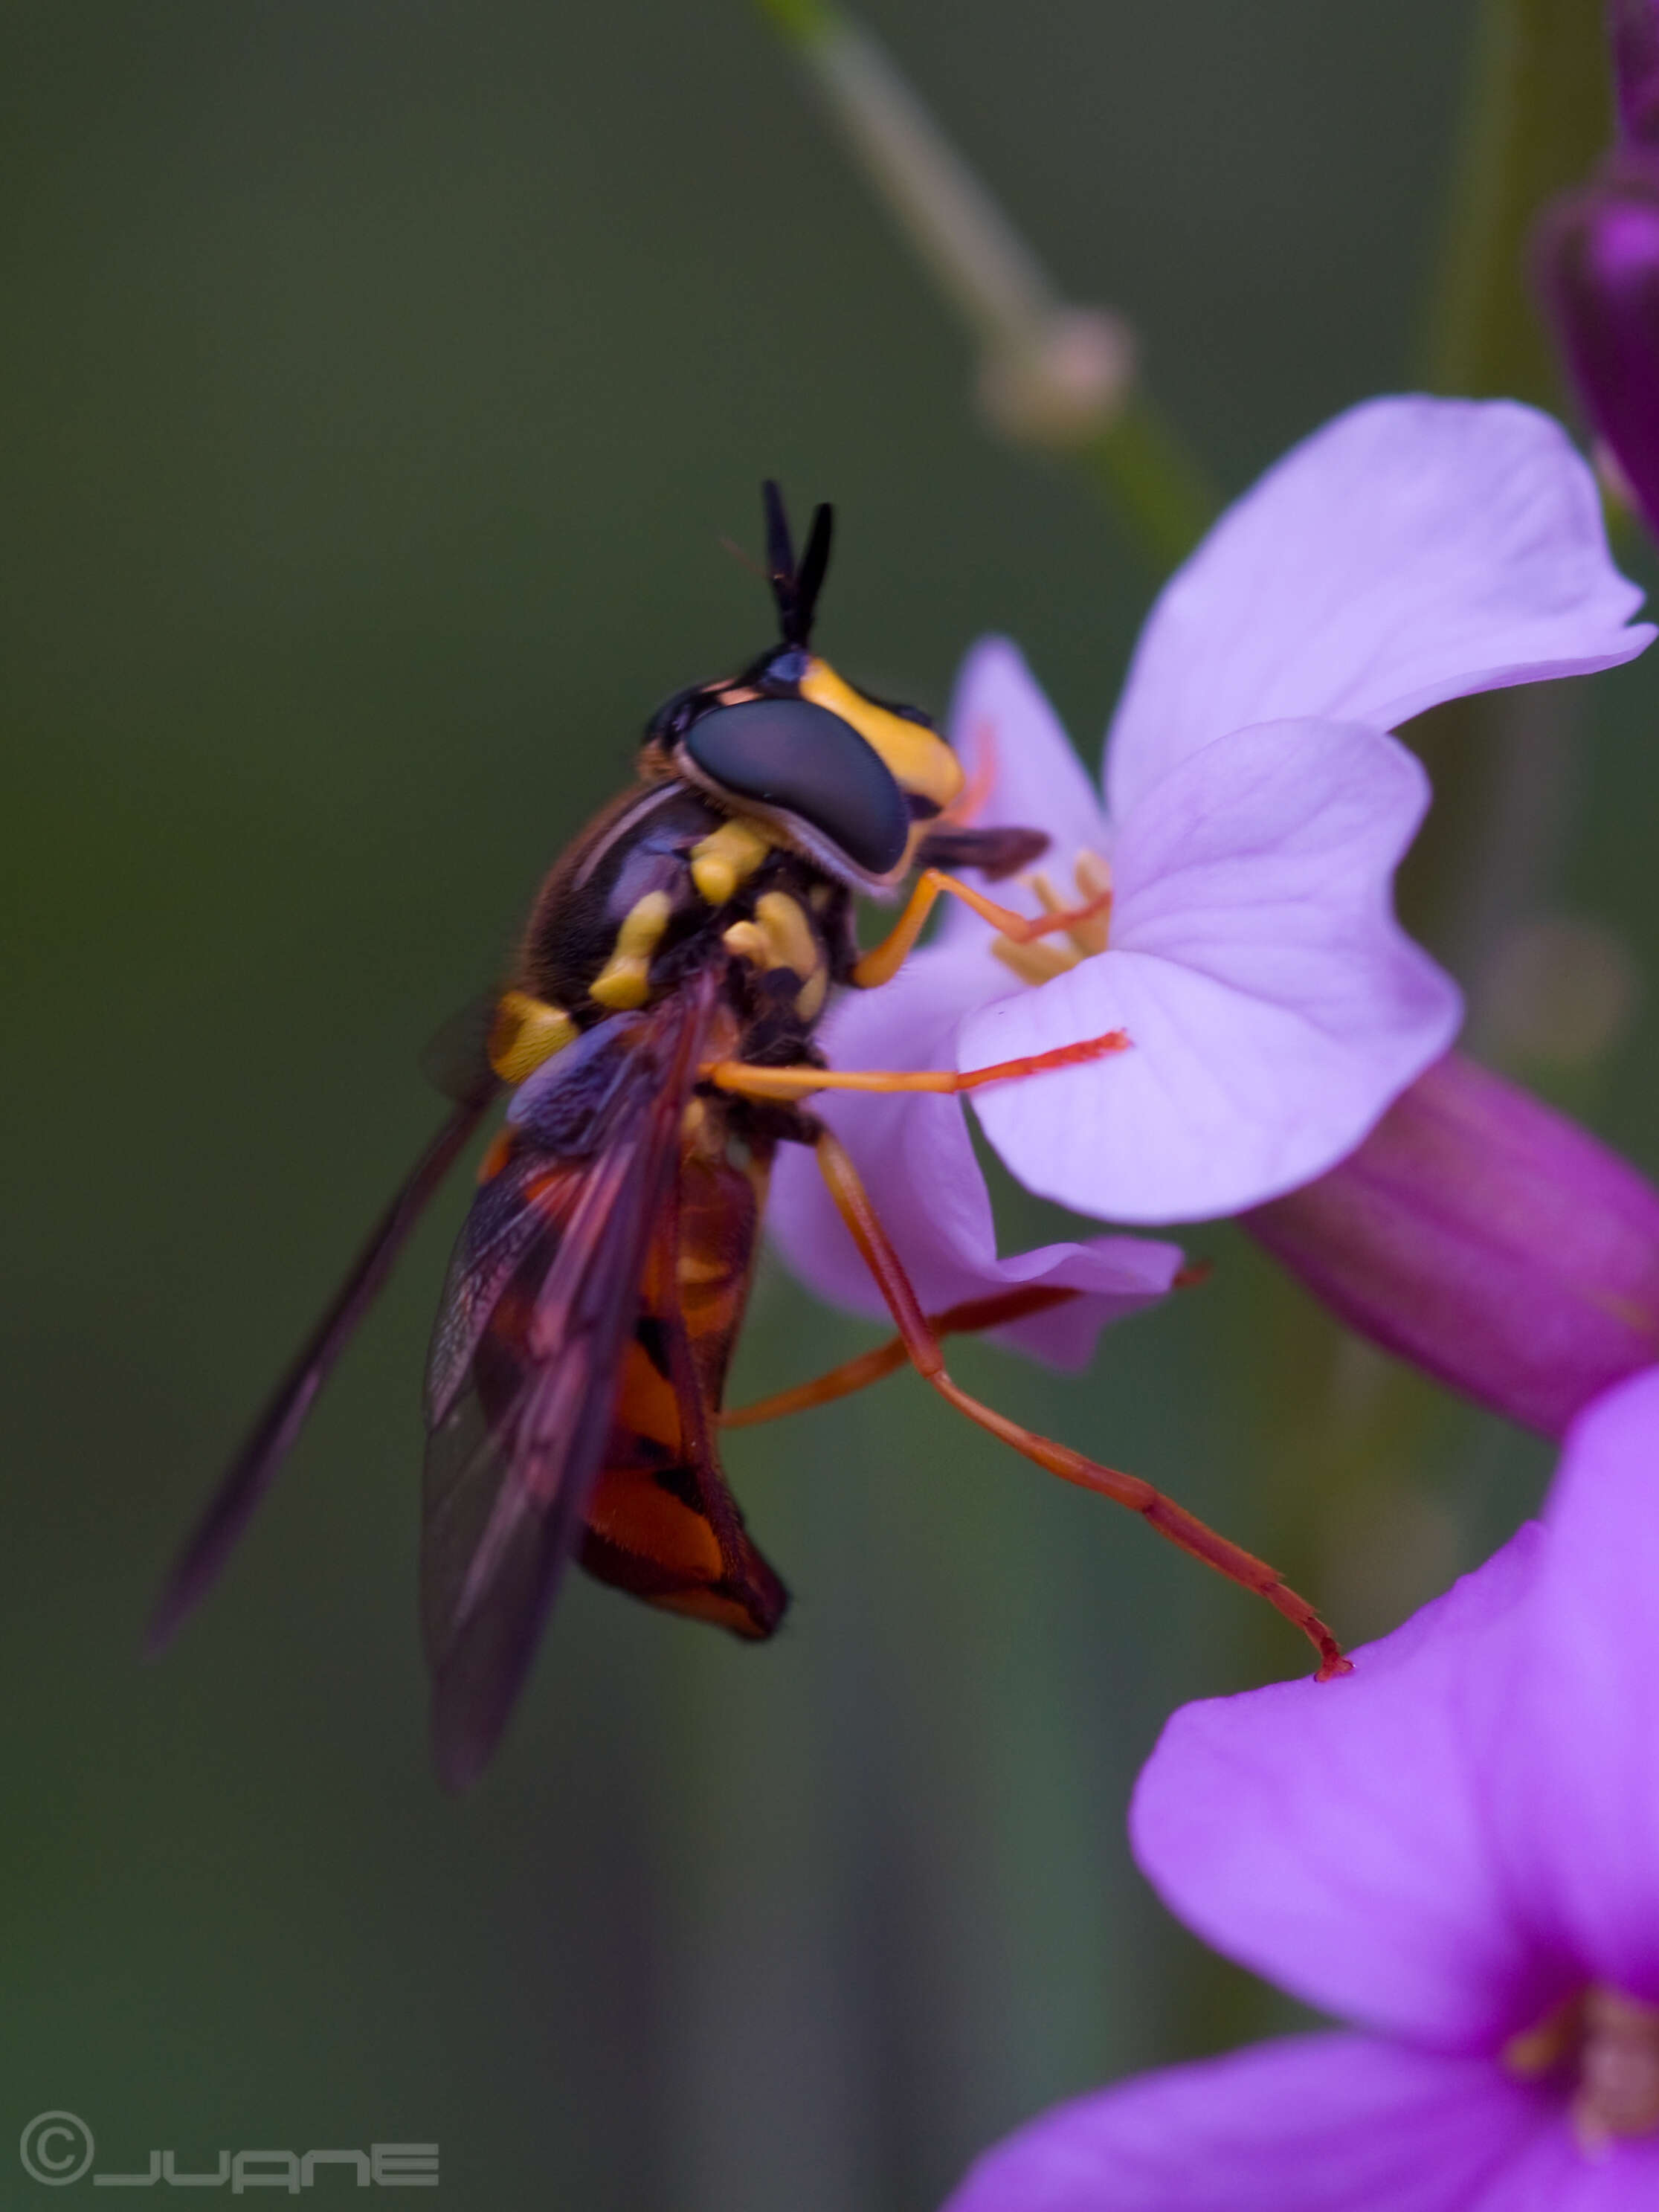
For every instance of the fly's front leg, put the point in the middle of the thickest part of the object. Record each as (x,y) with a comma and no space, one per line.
(1171,1521)
(883,961)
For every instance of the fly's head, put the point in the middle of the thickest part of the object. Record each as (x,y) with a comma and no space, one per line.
(849,781)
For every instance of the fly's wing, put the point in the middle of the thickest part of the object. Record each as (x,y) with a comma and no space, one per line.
(525,1364)
(250,1474)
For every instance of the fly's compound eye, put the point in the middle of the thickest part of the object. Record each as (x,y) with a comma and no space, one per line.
(805,761)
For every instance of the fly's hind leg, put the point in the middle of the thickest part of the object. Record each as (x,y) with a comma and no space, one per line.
(882,1359)
(1171,1521)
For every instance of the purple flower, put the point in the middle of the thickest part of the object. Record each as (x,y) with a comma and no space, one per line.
(1456,1848)
(1255,808)
(1598,260)
(1633,27)
(1490,1239)
(1598,267)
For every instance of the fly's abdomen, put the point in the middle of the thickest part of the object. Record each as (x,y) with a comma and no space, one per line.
(661,1522)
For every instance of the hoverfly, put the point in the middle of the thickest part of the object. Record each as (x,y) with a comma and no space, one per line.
(658,1040)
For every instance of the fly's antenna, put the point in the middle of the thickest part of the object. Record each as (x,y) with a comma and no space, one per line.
(809,577)
(795,589)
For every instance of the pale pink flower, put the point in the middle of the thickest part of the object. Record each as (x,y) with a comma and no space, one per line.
(1253,810)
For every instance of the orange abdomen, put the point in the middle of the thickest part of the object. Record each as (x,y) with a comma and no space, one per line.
(662,1523)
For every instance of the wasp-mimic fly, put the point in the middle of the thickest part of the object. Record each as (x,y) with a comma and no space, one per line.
(658,1038)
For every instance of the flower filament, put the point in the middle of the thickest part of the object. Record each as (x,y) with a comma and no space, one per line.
(1607,2044)
(1047,956)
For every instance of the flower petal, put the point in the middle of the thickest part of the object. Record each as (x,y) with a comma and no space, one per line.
(917,1162)
(1274,1007)
(1337,1837)
(1581,1807)
(1413,550)
(1022,771)
(1554,2173)
(1322,2122)
(1491,1239)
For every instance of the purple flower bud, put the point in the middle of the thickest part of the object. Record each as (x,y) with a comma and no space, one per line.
(1598,269)
(1633,28)
(1487,1238)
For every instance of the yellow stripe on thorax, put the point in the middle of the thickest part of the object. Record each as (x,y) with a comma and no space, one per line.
(624,981)
(726,857)
(525,1032)
(781,936)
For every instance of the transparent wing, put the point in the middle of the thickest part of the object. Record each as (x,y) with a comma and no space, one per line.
(541,1301)
(250,1474)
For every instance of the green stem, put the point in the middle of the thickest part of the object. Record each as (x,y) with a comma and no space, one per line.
(1053,375)
(1153,479)
(1537,114)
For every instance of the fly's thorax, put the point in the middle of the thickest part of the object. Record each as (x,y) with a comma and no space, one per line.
(618,903)
(765,800)
(788,942)
(663,884)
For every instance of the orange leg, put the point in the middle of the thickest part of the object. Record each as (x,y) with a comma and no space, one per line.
(1170,1521)
(750,1082)
(883,961)
(884,1359)
(887,1359)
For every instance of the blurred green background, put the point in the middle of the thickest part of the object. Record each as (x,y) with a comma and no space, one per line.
(381,379)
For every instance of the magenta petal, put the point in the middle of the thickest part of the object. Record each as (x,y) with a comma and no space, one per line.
(1633,28)
(1553,2174)
(1580,1802)
(1337,1837)
(1414,550)
(1314,2123)
(917,1160)
(1597,258)
(1487,1237)
(1273,1006)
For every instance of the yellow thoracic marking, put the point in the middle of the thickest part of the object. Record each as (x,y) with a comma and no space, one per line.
(788,933)
(919,759)
(525,1032)
(624,981)
(726,857)
(781,936)
(746,940)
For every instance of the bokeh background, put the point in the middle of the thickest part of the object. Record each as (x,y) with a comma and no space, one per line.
(380,381)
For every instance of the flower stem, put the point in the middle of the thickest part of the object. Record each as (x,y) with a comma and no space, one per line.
(1537,114)
(1053,375)
(1154,479)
